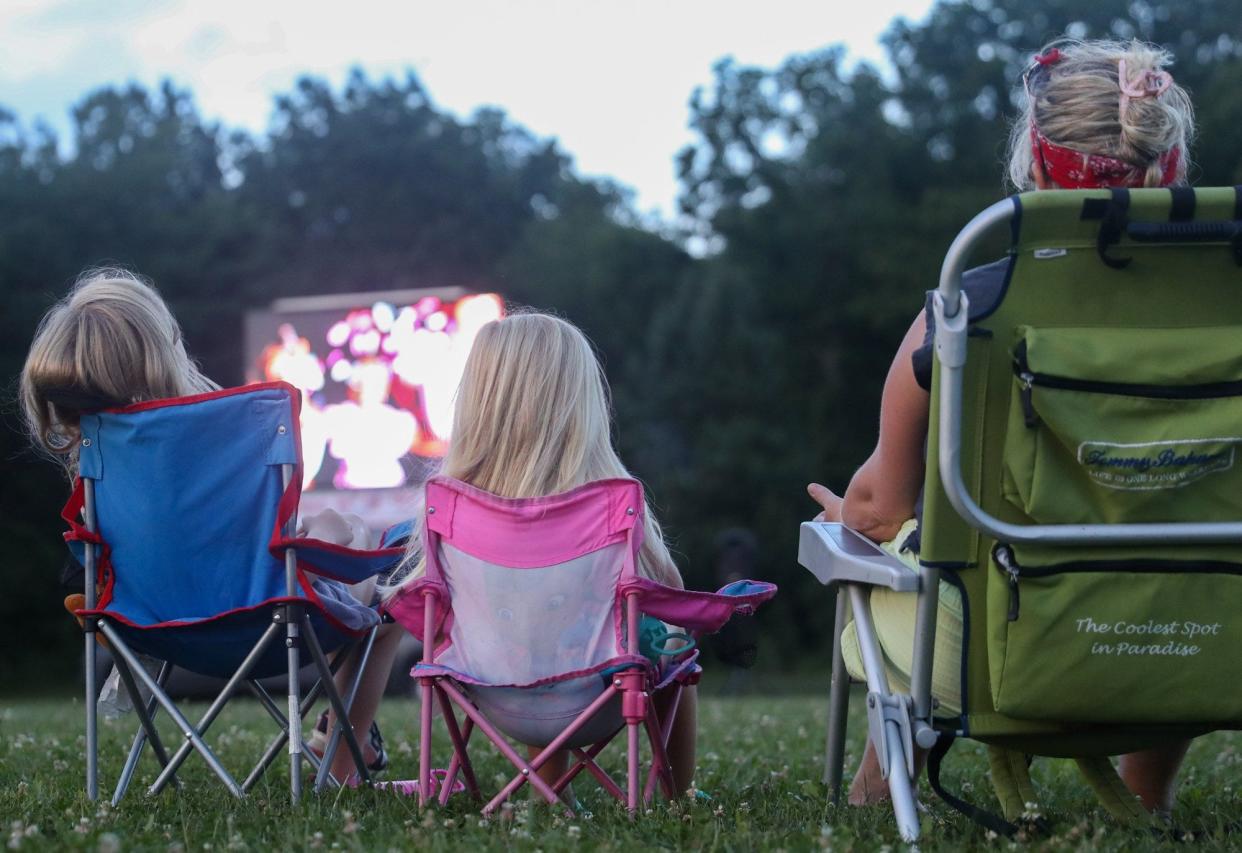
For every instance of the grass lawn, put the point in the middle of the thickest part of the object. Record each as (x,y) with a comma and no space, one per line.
(760,758)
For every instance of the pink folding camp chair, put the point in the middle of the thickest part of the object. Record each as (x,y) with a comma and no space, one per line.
(530,612)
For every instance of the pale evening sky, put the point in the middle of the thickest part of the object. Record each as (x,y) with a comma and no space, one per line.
(610,79)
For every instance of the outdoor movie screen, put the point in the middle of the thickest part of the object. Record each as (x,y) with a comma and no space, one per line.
(377,372)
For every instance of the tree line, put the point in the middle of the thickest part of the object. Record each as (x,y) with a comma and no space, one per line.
(818,197)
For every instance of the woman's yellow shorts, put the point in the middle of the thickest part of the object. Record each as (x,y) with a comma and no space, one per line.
(893,615)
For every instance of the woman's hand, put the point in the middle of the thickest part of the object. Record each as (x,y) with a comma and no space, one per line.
(826,498)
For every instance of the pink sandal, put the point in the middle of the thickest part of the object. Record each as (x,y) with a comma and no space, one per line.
(409,787)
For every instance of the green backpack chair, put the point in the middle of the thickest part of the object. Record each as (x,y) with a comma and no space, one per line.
(1083,494)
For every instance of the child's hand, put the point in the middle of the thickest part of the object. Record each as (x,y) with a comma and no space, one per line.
(330,526)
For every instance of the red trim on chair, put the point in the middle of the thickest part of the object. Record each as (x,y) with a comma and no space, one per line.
(294,395)
(190,623)
(105,578)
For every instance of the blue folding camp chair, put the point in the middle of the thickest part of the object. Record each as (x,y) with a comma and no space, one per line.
(183,516)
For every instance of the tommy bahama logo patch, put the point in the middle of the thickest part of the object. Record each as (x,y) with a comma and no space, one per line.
(1156,464)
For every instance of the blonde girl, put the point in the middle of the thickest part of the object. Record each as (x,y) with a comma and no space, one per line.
(112,341)
(532,419)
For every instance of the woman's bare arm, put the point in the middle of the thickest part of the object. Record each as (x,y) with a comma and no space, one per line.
(882,494)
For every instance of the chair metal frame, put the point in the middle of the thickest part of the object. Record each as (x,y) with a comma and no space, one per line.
(636,687)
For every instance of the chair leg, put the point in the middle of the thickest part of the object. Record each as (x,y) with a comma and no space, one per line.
(838,703)
(460,756)
(140,738)
(632,772)
(273,748)
(883,727)
(278,743)
(334,698)
(191,734)
(900,785)
(293,667)
(92,716)
(334,739)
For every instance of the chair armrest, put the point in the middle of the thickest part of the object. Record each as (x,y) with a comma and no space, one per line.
(348,565)
(407,606)
(702,612)
(833,553)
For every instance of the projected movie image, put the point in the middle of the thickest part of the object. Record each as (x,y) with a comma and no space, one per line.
(377,378)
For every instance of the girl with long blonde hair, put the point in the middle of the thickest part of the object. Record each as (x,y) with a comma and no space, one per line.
(532,419)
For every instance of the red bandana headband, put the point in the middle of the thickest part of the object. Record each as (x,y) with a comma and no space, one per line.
(1072,169)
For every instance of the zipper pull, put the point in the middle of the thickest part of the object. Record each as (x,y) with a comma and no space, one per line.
(1004,559)
(1028,408)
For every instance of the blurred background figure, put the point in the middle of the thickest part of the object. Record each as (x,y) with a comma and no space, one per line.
(737,644)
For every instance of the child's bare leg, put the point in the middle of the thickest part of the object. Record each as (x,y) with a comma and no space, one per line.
(552,770)
(366,701)
(682,737)
(869,786)
(1151,773)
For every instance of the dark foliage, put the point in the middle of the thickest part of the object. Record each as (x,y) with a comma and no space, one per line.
(824,195)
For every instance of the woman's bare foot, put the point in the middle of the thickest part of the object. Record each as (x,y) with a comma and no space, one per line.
(869,786)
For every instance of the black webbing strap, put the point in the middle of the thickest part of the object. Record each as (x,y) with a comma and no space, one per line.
(1237,215)
(1114,215)
(983,817)
(1113,226)
(1183,207)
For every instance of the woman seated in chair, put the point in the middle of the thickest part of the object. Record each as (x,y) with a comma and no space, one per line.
(1098,114)
(112,341)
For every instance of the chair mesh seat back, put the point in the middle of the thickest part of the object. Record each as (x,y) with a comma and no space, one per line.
(532,583)
(522,626)
(188,496)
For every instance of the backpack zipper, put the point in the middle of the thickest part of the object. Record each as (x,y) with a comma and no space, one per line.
(1029,378)
(1007,564)
(1003,555)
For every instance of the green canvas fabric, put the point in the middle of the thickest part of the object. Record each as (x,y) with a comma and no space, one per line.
(1168,316)
(1125,425)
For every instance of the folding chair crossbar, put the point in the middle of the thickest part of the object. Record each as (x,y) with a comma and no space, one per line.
(334,740)
(214,710)
(307,703)
(586,761)
(334,699)
(191,734)
(461,758)
(527,769)
(273,749)
(126,663)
